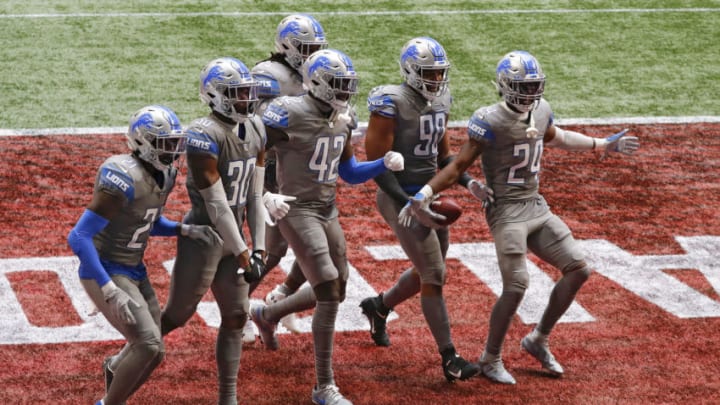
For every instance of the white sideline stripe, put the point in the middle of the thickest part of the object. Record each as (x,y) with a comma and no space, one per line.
(362,126)
(363,13)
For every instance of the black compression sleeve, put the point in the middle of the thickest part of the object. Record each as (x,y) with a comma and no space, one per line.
(389,184)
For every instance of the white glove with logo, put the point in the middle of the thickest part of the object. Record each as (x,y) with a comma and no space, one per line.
(621,143)
(202,233)
(119,302)
(394,161)
(481,192)
(276,204)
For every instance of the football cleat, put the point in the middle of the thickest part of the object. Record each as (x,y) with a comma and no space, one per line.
(265,328)
(248,332)
(495,371)
(328,395)
(456,367)
(290,322)
(539,349)
(378,331)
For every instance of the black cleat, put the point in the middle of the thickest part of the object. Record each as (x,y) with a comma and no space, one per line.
(371,308)
(457,368)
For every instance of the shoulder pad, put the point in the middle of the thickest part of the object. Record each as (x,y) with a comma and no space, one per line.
(380,101)
(478,128)
(199,141)
(116,180)
(277,114)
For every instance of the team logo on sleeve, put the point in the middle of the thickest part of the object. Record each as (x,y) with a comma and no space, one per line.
(381,104)
(267,86)
(113,178)
(276,116)
(479,129)
(198,142)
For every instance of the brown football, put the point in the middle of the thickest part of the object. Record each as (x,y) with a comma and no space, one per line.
(447,207)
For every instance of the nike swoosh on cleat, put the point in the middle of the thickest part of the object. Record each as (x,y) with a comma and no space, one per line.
(456,374)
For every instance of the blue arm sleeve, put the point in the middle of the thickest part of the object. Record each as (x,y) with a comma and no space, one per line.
(80,241)
(164,227)
(356,173)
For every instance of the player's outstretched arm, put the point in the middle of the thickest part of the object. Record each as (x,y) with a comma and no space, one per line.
(571,140)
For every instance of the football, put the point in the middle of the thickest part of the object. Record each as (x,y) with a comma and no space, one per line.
(447,207)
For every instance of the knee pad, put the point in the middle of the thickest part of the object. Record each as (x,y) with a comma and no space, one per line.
(577,270)
(329,290)
(517,282)
(234,321)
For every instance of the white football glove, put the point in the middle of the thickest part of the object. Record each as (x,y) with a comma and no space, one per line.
(405,216)
(203,233)
(119,302)
(276,204)
(621,143)
(481,192)
(394,161)
(420,208)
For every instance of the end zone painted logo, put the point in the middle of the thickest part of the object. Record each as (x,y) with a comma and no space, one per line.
(641,330)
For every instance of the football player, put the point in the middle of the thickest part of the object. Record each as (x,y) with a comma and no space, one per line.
(411,118)
(111,236)
(225,156)
(297,36)
(311,136)
(510,137)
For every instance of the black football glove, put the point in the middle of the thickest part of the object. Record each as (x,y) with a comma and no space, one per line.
(256,268)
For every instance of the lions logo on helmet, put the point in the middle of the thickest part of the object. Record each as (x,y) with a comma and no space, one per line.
(330,77)
(424,66)
(227,86)
(156,136)
(299,36)
(520,80)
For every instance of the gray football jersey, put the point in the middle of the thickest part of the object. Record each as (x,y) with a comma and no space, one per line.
(511,159)
(275,79)
(307,163)
(419,128)
(124,239)
(236,148)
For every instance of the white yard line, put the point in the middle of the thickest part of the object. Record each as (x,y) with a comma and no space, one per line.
(361,13)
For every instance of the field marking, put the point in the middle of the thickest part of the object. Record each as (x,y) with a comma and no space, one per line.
(361,13)
(362,126)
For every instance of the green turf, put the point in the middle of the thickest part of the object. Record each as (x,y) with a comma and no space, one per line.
(95,69)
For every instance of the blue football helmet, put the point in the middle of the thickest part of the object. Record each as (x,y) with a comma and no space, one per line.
(227,86)
(520,80)
(298,36)
(156,136)
(329,76)
(425,67)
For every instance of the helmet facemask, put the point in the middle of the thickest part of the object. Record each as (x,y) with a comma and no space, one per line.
(520,81)
(155,136)
(299,36)
(330,76)
(425,67)
(227,86)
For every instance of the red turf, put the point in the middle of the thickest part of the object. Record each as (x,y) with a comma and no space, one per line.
(634,353)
